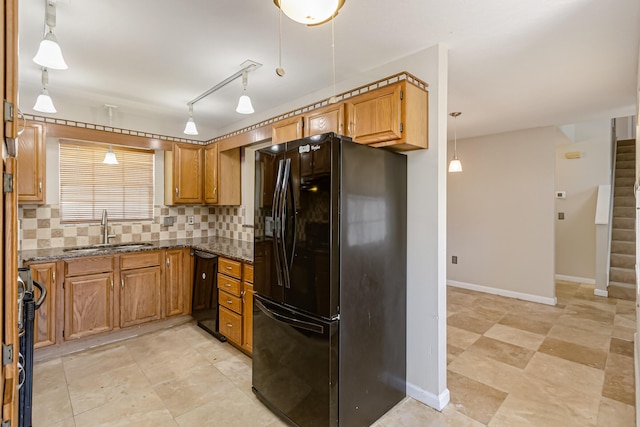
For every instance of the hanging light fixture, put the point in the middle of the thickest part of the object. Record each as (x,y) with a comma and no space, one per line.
(110,157)
(244,103)
(190,128)
(49,54)
(455,165)
(310,12)
(44,104)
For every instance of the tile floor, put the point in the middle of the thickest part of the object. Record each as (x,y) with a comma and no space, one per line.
(511,363)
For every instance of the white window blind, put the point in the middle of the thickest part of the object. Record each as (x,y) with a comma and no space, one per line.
(87,186)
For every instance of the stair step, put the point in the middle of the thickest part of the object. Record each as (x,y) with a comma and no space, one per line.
(625,149)
(624,235)
(624,201)
(626,156)
(626,142)
(625,223)
(625,164)
(625,173)
(623,261)
(621,291)
(625,181)
(623,191)
(622,247)
(624,211)
(622,275)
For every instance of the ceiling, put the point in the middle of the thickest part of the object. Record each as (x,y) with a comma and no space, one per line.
(512,64)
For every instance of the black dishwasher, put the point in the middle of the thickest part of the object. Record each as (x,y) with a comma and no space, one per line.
(205,293)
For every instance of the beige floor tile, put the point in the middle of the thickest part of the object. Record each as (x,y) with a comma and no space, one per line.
(101,388)
(139,410)
(588,312)
(99,360)
(49,376)
(619,382)
(624,321)
(69,422)
(411,413)
(50,407)
(574,352)
(622,347)
(472,398)
(600,340)
(203,384)
(462,299)
(469,323)
(238,370)
(626,334)
(169,363)
(515,336)
(614,413)
(487,370)
(527,323)
(501,351)
(453,352)
(461,338)
(561,373)
(575,321)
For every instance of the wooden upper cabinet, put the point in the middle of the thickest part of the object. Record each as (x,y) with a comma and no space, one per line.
(326,119)
(183,174)
(31,164)
(287,130)
(229,178)
(211,174)
(394,116)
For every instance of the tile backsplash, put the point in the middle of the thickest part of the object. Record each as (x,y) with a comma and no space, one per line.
(40,226)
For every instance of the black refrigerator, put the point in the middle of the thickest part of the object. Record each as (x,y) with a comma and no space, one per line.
(329,327)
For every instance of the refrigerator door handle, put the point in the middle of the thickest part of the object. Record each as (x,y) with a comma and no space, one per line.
(282,217)
(296,323)
(292,213)
(276,221)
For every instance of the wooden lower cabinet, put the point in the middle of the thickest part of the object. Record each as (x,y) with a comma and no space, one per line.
(88,305)
(45,317)
(177,294)
(140,296)
(247,318)
(231,325)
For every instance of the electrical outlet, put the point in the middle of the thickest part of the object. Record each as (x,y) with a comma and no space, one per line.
(560,215)
(454,259)
(190,219)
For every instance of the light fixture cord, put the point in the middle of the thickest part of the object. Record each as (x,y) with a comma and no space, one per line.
(333,55)
(45,78)
(455,137)
(280,38)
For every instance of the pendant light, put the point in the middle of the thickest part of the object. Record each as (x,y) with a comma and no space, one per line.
(244,103)
(44,103)
(110,157)
(49,54)
(190,128)
(455,165)
(310,12)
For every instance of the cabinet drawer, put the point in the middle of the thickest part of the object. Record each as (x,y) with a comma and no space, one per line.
(247,274)
(231,325)
(229,301)
(230,267)
(88,265)
(139,260)
(229,284)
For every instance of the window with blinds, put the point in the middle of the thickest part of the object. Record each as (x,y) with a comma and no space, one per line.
(87,186)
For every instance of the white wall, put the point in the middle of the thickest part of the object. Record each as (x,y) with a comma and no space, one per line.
(580,178)
(500,215)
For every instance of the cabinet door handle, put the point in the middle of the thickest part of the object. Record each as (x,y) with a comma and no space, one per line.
(229,325)
(112,283)
(40,186)
(228,285)
(229,301)
(122,283)
(228,267)
(176,191)
(167,263)
(53,278)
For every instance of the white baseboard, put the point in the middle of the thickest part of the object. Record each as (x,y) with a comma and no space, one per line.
(503,292)
(576,279)
(436,402)
(601,293)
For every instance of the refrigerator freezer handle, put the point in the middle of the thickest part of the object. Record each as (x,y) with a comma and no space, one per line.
(282,218)
(276,221)
(296,323)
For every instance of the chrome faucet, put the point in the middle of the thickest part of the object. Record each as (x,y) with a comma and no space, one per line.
(105,232)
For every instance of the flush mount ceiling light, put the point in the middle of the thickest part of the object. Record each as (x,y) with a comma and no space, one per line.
(310,12)
(44,103)
(244,103)
(110,157)
(49,54)
(247,66)
(455,165)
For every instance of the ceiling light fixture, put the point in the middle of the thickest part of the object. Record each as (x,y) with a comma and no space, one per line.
(49,54)
(455,165)
(44,103)
(247,66)
(310,12)
(190,128)
(110,157)
(244,103)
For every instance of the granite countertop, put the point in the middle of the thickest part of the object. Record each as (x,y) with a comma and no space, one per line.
(230,248)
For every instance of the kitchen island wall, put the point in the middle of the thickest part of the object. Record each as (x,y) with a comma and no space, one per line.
(40,226)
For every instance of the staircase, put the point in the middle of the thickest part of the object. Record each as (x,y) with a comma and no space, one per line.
(622,276)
